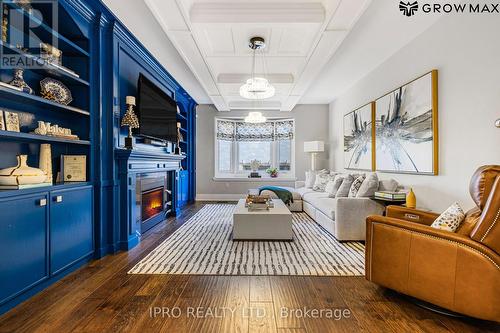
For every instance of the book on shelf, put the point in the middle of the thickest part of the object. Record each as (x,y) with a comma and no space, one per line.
(388,195)
(23,187)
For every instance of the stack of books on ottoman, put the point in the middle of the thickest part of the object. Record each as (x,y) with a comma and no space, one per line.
(258,202)
(390,196)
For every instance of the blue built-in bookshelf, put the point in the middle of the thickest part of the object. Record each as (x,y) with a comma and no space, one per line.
(48,232)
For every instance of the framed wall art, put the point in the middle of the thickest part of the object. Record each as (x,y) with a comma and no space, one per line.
(406,128)
(358,138)
(12,121)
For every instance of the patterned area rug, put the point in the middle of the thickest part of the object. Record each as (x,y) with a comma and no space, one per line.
(203,246)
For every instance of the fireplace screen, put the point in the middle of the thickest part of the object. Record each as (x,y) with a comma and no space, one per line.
(152,203)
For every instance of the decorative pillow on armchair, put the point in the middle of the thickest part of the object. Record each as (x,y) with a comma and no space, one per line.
(450,219)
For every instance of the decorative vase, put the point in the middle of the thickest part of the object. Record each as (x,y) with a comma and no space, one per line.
(274,175)
(22,174)
(45,163)
(18,81)
(411,200)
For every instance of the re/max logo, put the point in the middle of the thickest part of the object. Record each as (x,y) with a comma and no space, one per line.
(461,8)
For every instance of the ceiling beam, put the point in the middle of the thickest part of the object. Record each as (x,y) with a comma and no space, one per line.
(232,78)
(257,12)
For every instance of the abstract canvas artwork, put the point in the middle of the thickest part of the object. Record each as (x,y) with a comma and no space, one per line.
(358,138)
(406,128)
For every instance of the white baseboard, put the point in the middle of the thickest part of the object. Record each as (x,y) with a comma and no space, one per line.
(219,197)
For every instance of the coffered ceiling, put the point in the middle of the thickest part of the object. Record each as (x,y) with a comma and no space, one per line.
(212,38)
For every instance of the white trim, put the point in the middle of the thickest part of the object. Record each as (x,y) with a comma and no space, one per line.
(219,197)
(254,180)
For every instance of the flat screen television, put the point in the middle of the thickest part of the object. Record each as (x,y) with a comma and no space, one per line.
(157,112)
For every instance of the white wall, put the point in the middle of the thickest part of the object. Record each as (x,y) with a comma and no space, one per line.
(311,123)
(466,51)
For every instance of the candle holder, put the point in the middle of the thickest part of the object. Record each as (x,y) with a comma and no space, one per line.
(130,119)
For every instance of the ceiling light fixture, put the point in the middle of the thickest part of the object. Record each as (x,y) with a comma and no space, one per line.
(255,118)
(257,87)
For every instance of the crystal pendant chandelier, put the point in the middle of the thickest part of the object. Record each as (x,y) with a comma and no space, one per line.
(255,118)
(257,87)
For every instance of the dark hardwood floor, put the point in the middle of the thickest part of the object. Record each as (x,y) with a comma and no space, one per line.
(101,297)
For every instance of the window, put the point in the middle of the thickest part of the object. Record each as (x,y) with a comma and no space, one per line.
(239,144)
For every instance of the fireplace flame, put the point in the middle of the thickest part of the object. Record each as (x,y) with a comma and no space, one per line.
(155,204)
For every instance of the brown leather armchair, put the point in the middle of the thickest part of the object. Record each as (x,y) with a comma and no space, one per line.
(457,271)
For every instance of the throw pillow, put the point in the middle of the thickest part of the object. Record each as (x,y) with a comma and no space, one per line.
(450,219)
(355,186)
(333,185)
(369,186)
(388,185)
(344,187)
(321,180)
(310,178)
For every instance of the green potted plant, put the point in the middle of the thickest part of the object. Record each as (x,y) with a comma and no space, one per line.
(273,172)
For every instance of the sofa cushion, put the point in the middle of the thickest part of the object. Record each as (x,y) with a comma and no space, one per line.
(309,196)
(302,191)
(325,205)
(295,195)
(388,185)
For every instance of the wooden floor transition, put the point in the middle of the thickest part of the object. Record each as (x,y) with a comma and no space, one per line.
(101,297)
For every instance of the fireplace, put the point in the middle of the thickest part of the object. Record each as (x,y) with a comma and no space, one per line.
(154,198)
(152,203)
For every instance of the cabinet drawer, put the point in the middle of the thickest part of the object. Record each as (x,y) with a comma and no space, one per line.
(23,244)
(71,232)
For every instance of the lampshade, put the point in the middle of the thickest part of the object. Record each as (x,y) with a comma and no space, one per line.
(314,147)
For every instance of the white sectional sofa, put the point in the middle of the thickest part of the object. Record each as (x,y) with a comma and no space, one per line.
(343,217)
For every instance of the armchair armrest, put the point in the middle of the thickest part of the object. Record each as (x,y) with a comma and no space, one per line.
(441,235)
(411,215)
(300,183)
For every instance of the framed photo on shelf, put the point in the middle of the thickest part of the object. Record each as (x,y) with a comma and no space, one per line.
(12,121)
(74,168)
(2,122)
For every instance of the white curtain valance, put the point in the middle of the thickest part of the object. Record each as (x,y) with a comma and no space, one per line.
(233,130)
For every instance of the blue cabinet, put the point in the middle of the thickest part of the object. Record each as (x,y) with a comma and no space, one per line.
(23,244)
(71,233)
(182,188)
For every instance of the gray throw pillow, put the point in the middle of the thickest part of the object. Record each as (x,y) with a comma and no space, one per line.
(355,186)
(343,191)
(388,185)
(333,185)
(369,186)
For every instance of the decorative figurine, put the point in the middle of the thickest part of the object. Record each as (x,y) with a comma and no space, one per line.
(180,138)
(130,120)
(18,81)
(45,128)
(254,166)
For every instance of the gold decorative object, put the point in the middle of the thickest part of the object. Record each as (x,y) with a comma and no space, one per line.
(18,81)
(411,199)
(22,174)
(45,162)
(130,120)
(51,54)
(180,138)
(45,128)
(497,123)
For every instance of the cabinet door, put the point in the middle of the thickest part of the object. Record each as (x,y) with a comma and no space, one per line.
(23,244)
(71,232)
(182,186)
